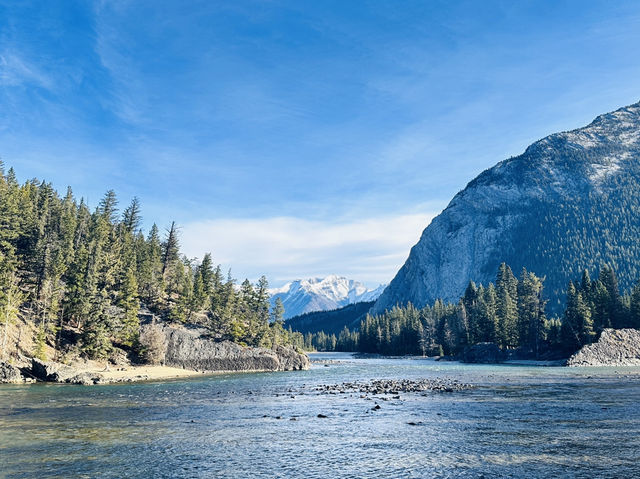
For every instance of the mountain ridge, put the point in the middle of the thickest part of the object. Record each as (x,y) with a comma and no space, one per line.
(321,294)
(580,183)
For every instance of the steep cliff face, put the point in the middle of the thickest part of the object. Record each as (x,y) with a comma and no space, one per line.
(569,202)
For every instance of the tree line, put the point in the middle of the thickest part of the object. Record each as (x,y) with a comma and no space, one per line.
(67,268)
(510,313)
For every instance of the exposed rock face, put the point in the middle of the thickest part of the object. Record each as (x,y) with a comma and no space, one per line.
(51,371)
(189,349)
(556,209)
(9,374)
(487,353)
(616,347)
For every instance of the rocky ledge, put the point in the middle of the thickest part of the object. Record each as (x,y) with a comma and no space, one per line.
(192,349)
(616,347)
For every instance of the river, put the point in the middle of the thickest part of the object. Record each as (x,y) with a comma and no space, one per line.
(517,421)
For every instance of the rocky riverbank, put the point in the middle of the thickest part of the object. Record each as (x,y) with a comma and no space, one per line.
(186,352)
(615,347)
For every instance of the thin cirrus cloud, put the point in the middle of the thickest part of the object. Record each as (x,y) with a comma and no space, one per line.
(288,247)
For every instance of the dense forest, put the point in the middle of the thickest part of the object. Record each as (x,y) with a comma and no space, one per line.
(68,269)
(510,313)
(331,321)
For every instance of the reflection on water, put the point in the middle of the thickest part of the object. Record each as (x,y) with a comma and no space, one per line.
(517,422)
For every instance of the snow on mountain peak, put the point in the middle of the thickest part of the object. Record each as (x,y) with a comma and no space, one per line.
(320,294)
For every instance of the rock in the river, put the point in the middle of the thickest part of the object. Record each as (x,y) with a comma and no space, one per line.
(9,374)
(192,349)
(616,347)
(487,353)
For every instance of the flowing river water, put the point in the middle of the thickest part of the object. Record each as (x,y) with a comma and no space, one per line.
(517,421)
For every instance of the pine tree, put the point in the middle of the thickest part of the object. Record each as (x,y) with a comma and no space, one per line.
(108,207)
(170,249)
(507,306)
(131,218)
(128,301)
(277,313)
(531,316)
(11,297)
(613,305)
(634,313)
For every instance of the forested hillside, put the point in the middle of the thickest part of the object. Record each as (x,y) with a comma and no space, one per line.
(81,276)
(510,312)
(331,322)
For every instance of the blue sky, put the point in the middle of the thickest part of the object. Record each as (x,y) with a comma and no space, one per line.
(299,138)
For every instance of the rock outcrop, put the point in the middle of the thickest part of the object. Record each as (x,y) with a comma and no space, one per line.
(567,203)
(50,371)
(483,353)
(10,374)
(616,347)
(192,349)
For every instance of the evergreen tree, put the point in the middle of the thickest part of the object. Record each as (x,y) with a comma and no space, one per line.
(507,307)
(531,316)
(131,218)
(634,313)
(170,249)
(613,304)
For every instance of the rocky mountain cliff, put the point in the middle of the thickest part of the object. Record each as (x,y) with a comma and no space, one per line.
(322,294)
(570,201)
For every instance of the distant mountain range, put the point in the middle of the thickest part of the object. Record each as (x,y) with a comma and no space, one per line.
(322,294)
(571,201)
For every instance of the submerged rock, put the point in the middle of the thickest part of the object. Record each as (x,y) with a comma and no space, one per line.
(616,347)
(9,374)
(192,349)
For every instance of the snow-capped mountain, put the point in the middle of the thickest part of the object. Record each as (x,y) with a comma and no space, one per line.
(569,202)
(322,294)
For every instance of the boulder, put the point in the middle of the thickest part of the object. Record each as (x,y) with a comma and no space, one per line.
(85,379)
(51,371)
(487,353)
(615,347)
(291,360)
(10,374)
(193,349)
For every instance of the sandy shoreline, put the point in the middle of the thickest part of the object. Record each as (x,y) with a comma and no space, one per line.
(143,373)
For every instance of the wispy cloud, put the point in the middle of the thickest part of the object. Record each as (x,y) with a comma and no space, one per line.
(369,249)
(15,70)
